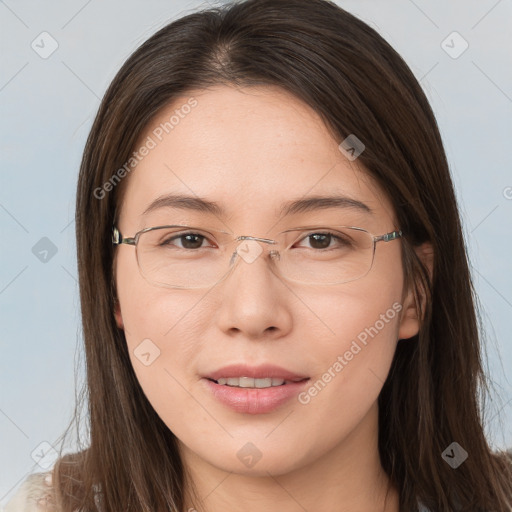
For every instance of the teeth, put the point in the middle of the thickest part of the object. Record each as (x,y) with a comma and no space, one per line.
(249,382)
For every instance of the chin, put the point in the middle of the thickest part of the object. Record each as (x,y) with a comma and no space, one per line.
(250,461)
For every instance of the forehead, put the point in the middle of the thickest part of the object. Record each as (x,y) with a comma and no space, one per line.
(249,150)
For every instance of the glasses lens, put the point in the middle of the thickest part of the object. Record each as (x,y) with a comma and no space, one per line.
(184,257)
(326,256)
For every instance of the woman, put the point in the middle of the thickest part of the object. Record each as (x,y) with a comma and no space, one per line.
(277,308)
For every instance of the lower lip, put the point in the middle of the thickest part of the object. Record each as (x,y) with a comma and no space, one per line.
(255,400)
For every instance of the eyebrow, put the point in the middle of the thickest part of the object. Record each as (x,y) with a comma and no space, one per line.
(295,206)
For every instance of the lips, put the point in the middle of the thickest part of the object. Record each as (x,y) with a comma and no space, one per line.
(244,388)
(249,382)
(266,371)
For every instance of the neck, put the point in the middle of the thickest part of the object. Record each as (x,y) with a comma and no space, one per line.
(346,478)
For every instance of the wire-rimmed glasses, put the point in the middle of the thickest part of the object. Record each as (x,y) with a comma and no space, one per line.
(180,256)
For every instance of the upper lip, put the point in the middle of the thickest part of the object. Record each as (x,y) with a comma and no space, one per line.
(256,372)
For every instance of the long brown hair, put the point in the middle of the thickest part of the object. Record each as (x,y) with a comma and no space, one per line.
(358,84)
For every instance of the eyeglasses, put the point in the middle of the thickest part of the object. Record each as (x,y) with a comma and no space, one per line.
(179,256)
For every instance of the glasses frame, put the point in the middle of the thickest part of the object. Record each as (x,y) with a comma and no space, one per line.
(119,239)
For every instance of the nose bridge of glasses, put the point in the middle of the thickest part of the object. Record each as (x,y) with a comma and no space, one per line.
(249,249)
(266,240)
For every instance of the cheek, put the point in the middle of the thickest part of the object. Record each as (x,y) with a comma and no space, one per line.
(160,327)
(353,332)
(163,340)
(364,309)
(170,320)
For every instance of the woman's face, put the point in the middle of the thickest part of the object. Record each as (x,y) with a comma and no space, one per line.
(250,151)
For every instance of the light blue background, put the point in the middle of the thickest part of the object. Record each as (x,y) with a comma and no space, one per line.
(47,108)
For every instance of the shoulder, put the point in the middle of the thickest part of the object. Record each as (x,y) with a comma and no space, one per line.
(35,494)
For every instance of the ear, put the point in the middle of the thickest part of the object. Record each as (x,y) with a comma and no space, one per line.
(117,314)
(410,322)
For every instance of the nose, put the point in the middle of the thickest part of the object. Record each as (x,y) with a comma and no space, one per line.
(255,300)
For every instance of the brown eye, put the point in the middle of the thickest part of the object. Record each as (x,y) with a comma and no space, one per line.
(187,240)
(320,240)
(326,240)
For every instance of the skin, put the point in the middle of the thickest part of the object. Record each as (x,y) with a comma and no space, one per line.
(250,150)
